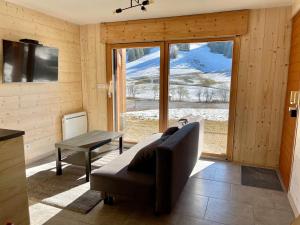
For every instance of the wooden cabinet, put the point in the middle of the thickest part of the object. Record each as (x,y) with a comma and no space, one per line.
(13,191)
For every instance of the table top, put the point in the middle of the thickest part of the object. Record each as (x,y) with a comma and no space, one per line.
(9,134)
(89,141)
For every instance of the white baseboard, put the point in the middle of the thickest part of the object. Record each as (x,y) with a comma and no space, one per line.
(293,205)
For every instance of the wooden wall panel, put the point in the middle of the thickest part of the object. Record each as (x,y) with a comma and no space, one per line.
(38,108)
(262,83)
(177,28)
(295,6)
(94,76)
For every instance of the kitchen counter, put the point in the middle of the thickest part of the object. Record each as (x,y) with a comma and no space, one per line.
(13,198)
(9,134)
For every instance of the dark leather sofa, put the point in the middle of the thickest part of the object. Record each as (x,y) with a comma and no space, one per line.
(175,160)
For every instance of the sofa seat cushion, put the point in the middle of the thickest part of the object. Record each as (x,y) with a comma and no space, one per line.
(115,178)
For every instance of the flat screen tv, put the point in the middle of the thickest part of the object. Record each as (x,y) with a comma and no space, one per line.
(25,62)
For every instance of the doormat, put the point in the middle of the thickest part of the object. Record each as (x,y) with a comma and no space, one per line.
(261,178)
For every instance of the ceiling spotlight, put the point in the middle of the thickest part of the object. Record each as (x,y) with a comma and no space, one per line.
(143,8)
(136,3)
(146,2)
(118,10)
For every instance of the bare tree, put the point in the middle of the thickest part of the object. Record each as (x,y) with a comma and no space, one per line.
(132,90)
(224,92)
(155,89)
(182,92)
(209,95)
(172,94)
(199,94)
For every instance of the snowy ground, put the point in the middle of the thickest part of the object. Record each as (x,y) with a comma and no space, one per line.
(175,114)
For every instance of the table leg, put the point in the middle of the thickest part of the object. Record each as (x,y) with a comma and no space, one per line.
(58,162)
(121,145)
(87,166)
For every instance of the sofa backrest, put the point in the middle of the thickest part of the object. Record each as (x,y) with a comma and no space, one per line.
(175,160)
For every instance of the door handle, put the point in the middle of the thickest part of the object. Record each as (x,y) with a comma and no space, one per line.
(294,104)
(293,111)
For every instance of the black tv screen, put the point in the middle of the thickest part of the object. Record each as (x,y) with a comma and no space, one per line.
(24,62)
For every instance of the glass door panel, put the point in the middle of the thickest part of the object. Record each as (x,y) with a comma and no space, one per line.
(137,85)
(199,89)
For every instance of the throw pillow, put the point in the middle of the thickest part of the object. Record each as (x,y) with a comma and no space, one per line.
(145,160)
(170,131)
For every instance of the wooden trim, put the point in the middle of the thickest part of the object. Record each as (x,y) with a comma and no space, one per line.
(222,24)
(206,155)
(164,90)
(109,78)
(201,40)
(233,97)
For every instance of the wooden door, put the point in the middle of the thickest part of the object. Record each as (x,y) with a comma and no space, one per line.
(290,123)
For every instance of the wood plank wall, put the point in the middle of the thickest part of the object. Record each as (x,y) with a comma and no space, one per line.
(295,7)
(93,62)
(210,25)
(262,81)
(262,77)
(38,108)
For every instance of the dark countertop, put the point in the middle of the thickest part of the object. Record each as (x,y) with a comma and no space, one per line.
(9,134)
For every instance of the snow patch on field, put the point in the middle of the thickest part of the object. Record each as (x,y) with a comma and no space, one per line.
(175,114)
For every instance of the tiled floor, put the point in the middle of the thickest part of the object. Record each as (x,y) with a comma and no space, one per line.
(213,196)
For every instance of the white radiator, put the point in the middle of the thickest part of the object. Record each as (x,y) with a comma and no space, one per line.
(74,125)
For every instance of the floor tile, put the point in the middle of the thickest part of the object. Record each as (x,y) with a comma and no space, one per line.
(208,188)
(250,195)
(281,200)
(191,205)
(266,216)
(231,174)
(153,220)
(229,212)
(218,171)
(184,220)
(259,197)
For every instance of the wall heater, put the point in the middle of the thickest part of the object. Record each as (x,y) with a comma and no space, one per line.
(74,125)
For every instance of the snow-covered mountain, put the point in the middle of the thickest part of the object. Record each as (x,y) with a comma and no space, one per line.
(198,60)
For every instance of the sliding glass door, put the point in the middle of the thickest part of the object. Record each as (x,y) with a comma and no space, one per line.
(157,84)
(137,91)
(199,89)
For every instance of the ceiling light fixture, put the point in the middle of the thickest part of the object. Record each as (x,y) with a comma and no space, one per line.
(136,3)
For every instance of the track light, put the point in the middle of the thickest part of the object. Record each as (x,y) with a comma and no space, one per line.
(136,3)
(145,2)
(118,10)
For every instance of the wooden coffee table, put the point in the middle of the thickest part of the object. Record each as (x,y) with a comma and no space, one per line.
(86,143)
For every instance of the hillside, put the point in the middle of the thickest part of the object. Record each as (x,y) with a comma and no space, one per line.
(199,60)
